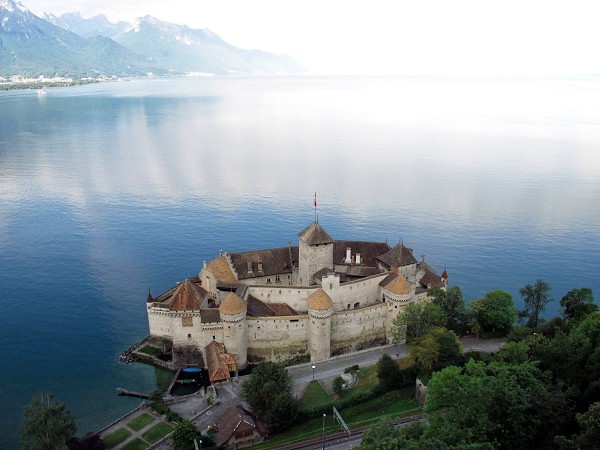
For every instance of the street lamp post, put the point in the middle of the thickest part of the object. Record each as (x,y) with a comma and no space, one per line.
(313,368)
(323,433)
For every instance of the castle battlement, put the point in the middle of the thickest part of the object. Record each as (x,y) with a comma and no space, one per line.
(320,298)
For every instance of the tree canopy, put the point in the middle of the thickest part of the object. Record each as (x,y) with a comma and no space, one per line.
(535,297)
(388,371)
(437,349)
(416,320)
(267,391)
(184,434)
(540,390)
(494,312)
(578,303)
(450,300)
(47,424)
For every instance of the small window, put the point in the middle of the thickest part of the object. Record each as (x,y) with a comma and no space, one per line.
(268,280)
(213,337)
(277,279)
(189,336)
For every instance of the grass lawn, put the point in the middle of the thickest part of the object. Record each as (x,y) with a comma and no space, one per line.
(136,444)
(157,432)
(314,395)
(140,422)
(116,437)
(392,404)
(367,378)
(149,350)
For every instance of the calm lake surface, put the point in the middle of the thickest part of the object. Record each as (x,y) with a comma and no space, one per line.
(109,190)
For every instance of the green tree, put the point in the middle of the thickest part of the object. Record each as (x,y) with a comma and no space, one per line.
(436,350)
(451,302)
(388,372)
(338,385)
(494,312)
(578,303)
(507,405)
(184,434)
(91,441)
(267,391)
(535,297)
(47,424)
(513,352)
(589,434)
(416,320)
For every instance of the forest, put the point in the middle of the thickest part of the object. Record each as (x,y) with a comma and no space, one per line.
(540,390)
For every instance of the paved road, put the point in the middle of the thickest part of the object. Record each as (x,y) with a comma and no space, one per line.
(325,371)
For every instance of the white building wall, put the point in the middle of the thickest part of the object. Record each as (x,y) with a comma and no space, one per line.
(159,323)
(281,279)
(185,334)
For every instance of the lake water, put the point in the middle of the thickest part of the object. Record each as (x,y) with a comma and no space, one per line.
(109,190)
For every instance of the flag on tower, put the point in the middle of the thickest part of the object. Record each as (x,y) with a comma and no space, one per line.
(315,199)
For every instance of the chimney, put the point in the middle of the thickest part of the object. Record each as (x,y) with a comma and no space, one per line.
(422,259)
(358,258)
(220,252)
(395,270)
(260,268)
(250,268)
(348,258)
(204,264)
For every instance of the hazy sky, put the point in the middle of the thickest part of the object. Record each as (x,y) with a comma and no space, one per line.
(477,37)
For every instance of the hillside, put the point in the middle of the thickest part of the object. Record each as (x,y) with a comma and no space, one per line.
(70,45)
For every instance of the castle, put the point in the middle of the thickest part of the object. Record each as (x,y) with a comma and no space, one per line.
(320,298)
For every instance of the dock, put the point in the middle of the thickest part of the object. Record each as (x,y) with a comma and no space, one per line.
(129,393)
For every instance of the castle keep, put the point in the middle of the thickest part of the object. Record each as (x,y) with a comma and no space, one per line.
(320,298)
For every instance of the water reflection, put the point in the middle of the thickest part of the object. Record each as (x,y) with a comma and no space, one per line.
(489,151)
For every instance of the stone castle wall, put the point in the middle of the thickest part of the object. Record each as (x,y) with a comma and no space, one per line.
(277,338)
(293,296)
(365,292)
(352,329)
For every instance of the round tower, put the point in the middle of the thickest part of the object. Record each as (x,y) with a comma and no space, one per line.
(397,293)
(235,335)
(320,309)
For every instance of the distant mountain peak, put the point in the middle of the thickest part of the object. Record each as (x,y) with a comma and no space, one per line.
(11,5)
(76,46)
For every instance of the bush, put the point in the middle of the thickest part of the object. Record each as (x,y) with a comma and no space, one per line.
(352,369)
(338,385)
(164,410)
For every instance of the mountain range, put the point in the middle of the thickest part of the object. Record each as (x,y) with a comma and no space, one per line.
(70,45)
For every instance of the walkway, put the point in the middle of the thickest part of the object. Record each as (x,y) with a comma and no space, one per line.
(195,407)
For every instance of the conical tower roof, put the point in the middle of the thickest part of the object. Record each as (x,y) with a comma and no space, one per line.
(233,304)
(399,285)
(314,234)
(319,300)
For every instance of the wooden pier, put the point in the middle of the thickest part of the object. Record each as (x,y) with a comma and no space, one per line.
(129,393)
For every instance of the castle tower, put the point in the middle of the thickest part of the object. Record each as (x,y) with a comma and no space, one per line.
(320,309)
(315,253)
(235,334)
(397,293)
